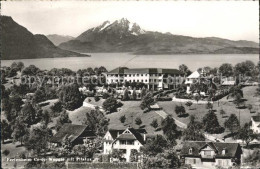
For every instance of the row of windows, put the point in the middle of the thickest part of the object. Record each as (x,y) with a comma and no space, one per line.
(150,80)
(126,142)
(135,75)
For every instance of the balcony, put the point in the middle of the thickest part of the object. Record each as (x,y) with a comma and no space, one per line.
(208,156)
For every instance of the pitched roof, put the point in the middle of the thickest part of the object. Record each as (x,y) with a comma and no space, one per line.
(195,74)
(125,70)
(136,134)
(72,131)
(256,118)
(114,133)
(231,148)
(119,70)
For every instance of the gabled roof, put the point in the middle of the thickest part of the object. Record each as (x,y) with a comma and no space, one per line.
(125,70)
(231,148)
(211,145)
(135,134)
(119,70)
(114,133)
(72,131)
(256,118)
(195,74)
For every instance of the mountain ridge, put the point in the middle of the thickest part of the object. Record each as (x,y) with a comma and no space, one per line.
(58,39)
(124,36)
(19,43)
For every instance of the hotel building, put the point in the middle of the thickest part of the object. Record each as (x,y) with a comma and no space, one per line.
(153,78)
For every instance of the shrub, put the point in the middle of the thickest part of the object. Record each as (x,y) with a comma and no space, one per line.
(6,152)
(105,95)
(96,98)
(122,119)
(164,99)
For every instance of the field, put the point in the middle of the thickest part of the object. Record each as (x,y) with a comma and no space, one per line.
(227,105)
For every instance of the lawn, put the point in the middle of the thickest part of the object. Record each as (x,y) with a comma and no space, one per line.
(15,150)
(227,105)
(131,110)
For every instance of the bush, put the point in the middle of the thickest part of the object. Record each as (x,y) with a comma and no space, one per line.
(6,152)
(22,155)
(96,98)
(105,95)
(164,99)
(106,158)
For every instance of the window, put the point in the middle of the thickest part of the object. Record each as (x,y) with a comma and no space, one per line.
(137,80)
(159,80)
(207,153)
(137,75)
(130,142)
(129,75)
(142,80)
(142,75)
(145,80)
(190,151)
(123,142)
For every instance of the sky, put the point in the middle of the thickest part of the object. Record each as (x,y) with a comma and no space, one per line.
(235,20)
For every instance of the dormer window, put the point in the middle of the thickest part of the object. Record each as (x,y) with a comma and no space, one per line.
(190,151)
(224,151)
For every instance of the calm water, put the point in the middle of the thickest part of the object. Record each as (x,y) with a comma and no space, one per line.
(113,60)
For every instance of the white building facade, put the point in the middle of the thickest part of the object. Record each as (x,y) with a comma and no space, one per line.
(255,124)
(153,78)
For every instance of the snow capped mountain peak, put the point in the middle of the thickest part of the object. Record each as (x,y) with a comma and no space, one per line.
(121,27)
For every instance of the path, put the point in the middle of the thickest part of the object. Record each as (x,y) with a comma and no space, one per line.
(180,124)
(163,114)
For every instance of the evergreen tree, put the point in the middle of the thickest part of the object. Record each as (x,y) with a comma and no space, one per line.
(193,131)
(169,129)
(232,123)
(211,124)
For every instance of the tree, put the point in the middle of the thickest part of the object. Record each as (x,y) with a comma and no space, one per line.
(31,70)
(143,92)
(138,121)
(70,97)
(46,118)
(19,130)
(232,123)
(180,110)
(97,121)
(226,69)
(39,96)
(253,158)
(110,104)
(211,124)
(122,119)
(154,123)
(209,106)
(250,107)
(238,100)
(134,155)
(184,69)
(234,91)
(66,146)
(188,104)
(16,102)
(6,130)
(62,119)
(154,146)
(197,98)
(193,131)
(222,112)
(246,134)
(126,95)
(116,153)
(96,98)
(28,114)
(134,95)
(20,66)
(38,139)
(147,101)
(169,129)
(244,68)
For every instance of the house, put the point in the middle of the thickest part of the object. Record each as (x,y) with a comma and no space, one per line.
(228,81)
(255,124)
(124,140)
(210,154)
(193,78)
(153,78)
(77,134)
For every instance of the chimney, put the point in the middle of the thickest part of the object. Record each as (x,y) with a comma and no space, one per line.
(117,133)
(144,137)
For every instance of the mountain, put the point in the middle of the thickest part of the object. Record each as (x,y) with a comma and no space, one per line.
(58,39)
(124,36)
(19,43)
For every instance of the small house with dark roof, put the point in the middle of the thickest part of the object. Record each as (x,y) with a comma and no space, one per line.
(210,154)
(153,78)
(75,133)
(255,124)
(124,140)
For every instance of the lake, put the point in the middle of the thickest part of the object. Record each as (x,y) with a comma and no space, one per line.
(113,60)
